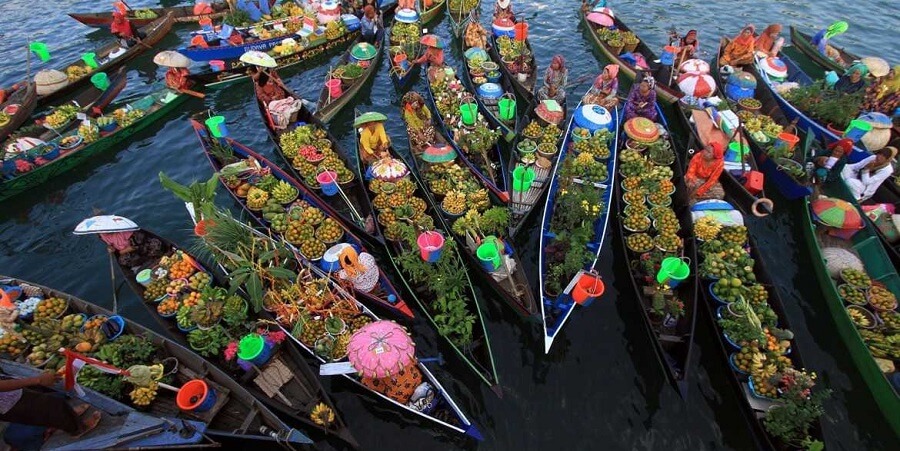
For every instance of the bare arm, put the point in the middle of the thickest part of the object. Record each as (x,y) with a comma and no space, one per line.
(45,379)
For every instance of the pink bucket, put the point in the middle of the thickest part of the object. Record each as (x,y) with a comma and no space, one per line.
(334,87)
(431,244)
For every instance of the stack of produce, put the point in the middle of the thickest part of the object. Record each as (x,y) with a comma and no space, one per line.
(512,50)
(873,310)
(647,191)
(310,152)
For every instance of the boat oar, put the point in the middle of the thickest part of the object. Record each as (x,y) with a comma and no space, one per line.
(112,275)
(189,92)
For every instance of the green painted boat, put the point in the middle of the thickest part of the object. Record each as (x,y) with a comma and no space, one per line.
(328,107)
(162,103)
(803,43)
(866,245)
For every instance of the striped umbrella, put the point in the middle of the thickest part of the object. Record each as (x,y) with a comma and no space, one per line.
(836,213)
(697,84)
(694,65)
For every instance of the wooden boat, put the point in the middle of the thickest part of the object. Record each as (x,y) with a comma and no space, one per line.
(236,70)
(384,294)
(477,353)
(90,101)
(402,75)
(328,106)
(661,73)
(877,264)
(673,337)
(556,308)
(155,106)
(352,203)
(153,33)
(509,281)
(460,15)
(181,14)
(225,52)
(803,42)
(293,398)
(522,203)
(490,106)
(17,109)
(525,90)
(236,416)
(426,16)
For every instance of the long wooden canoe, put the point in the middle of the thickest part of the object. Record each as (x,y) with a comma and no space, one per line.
(328,106)
(866,245)
(888,193)
(525,90)
(182,14)
(236,416)
(556,308)
(294,398)
(460,15)
(673,338)
(23,100)
(384,294)
(664,92)
(489,106)
(400,76)
(159,104)
(803,43)
(428,15)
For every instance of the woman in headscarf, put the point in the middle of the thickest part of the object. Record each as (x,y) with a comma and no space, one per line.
(432,55)
(368,25)
(555,80)
(690,45)
(702,176)
(739,51)
(642,100)
(853,80)
(418,120)
(768,41)
(864,178)
(267,84)
(883,96)
(134,249)
(605,90)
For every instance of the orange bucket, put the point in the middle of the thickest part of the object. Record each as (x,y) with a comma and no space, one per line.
(521,31)
(588,288)
(196,396)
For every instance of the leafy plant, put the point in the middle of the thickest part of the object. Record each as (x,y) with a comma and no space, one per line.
(234,311)
(743,329)
(208,342)
(790,422)
(200,194)
(826,105)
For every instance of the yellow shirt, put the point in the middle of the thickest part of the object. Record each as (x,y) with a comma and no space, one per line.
(370,139)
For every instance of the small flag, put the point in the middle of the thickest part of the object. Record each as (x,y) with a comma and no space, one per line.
(74,363)
(40,49)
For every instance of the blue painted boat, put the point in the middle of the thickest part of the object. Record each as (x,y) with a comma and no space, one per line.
(556,308)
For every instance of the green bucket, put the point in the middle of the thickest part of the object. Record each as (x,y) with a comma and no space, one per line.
(507,109)
(489,254)
(40,49)
(252,348)
(673,270)
(523,177)
(216,125)
(469,112)
(90,58)
(100,81)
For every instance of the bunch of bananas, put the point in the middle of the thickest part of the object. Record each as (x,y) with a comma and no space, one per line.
(61,116)
(707,228)
(284,193)
(143,396)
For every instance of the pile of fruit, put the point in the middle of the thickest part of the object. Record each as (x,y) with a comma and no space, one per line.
(868,302)
(61,116)
(759,125)
(404,34)
(464,6)
(309,149)
(145,14)
(127,117)
(89,132)
(335,29)
(511,49)
(548,134)
(50,308)
(77,71)
(648,187)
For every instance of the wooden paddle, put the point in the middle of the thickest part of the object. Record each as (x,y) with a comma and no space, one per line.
(189,92)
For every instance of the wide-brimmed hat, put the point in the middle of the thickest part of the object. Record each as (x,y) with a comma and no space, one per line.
(371,116)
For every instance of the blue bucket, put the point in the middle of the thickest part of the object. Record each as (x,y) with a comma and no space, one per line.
(668,56)
(255,349)
(109,127)
(328,181)
(731,342)
(217,126)
(489,254)
(330,261)
(493,77)
(196,396)
(51,155)
(717,298)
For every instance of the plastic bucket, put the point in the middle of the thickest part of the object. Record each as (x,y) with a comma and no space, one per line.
(507,109)
(668,55)
(217,65)
(254,349)
(468,111)
(40,49)
(493,76)
(587,288)
(523,177)
(216,125)
(330,261)
(195,396)
(206,24)
(673,271)
(788,140)
(100,81)
(736,151)
(334,87)
(521,31)
(328,181)
(402,61)
(857,129)
(736,92)
(431,245)
(144,276)
(90,58)
(489,254)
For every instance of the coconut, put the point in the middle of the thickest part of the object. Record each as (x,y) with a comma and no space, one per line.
(49,81)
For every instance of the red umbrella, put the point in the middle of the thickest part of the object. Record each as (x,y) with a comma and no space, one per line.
(696,84)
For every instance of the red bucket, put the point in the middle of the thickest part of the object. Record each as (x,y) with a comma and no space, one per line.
(588,288)
(521,31)
(334,87)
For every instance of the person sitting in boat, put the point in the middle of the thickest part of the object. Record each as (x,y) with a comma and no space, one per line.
(688,45)
(642,100)
(702,176)
(476,35)
(829,162)
(418,120)
(368,25)
(268,84)
(21,403)
(883,96)
(820,40)
(406,4)
(373,141)
(400,386)
(605,90)
(739,52)
(768,41)
(864,177)
(123,29)
(555,80)
(503,9)
(133,249)
(178,78)
(433,55)
(853,80)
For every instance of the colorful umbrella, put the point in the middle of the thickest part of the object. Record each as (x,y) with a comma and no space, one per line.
(432,41)
(439,154)
(695,65)
(371,116)
(600,19)
(105,224)
(389,169)
(170,58)
(605,10)
(364,51)
(257,58)
(696,84)
(878,67)
(836,213)
(381,349)
(642,129)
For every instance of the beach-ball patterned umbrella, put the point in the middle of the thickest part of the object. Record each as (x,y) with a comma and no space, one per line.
(381,349)
(694,65)
(836,213)
(439,154)
(696,84)
(105,224)
(600,19)
(604,10)
(432,40)
(774,66)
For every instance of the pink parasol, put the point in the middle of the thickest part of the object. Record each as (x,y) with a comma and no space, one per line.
(696,85)
(600,19)
(381,349)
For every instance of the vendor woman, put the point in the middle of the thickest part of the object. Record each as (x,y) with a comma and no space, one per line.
(605,90)
(268,85)
(134,249)
(642,100)
(702,177)
(883,96)
(768,41)
(853,80)
(555,80)
(739,52)
(418,121)
(373,142)
(433,55)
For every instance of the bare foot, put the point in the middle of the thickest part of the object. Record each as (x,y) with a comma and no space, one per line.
(90,423)
(81,409)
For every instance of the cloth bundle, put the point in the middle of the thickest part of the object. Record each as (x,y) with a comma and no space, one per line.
(284,111)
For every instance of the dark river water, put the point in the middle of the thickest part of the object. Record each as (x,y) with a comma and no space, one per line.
(600,386)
